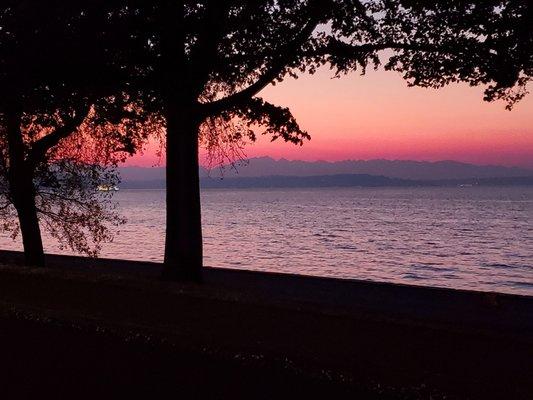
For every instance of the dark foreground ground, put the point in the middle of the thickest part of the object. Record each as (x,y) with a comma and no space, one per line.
(103,329)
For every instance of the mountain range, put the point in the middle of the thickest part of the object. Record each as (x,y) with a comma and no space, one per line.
(264,167)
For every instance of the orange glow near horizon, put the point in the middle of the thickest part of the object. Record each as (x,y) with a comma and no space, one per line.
(378,116)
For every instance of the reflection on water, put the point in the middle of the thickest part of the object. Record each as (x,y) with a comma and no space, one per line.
(476,238)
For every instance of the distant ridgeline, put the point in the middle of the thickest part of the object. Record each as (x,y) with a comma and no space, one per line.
(266,172)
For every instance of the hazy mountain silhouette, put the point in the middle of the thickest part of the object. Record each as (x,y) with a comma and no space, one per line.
(408,170)
(266,166)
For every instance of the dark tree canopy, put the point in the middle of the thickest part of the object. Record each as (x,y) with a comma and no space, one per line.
(234,49)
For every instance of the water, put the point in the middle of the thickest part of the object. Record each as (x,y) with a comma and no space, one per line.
(472,238)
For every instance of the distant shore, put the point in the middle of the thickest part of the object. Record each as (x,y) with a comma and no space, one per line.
(104,326)
(331,181)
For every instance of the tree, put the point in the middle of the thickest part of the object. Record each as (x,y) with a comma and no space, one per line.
(68,114)
(213,58)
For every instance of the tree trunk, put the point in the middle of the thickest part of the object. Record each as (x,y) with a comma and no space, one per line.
(30,230)
(22,190)
(183,242)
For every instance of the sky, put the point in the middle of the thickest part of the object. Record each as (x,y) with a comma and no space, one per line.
(378,116)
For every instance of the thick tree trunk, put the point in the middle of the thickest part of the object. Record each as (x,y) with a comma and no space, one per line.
(22,191)
(183,243)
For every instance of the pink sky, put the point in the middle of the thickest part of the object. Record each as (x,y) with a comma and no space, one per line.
(378,116)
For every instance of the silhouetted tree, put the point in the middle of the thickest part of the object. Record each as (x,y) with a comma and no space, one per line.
(68,114)
(212,59)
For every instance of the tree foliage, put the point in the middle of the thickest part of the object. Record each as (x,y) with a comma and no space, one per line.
(431,43)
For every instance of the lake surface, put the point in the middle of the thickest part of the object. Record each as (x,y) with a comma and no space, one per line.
(473,238)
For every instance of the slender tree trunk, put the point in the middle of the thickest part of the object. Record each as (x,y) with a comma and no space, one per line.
(22,191)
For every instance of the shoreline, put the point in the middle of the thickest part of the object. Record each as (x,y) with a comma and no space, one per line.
(397,299)
(349,336)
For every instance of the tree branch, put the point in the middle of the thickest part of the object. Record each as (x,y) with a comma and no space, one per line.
(279,65)
(339,48)
(40,147)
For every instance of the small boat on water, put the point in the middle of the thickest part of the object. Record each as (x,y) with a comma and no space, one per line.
(107,188)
